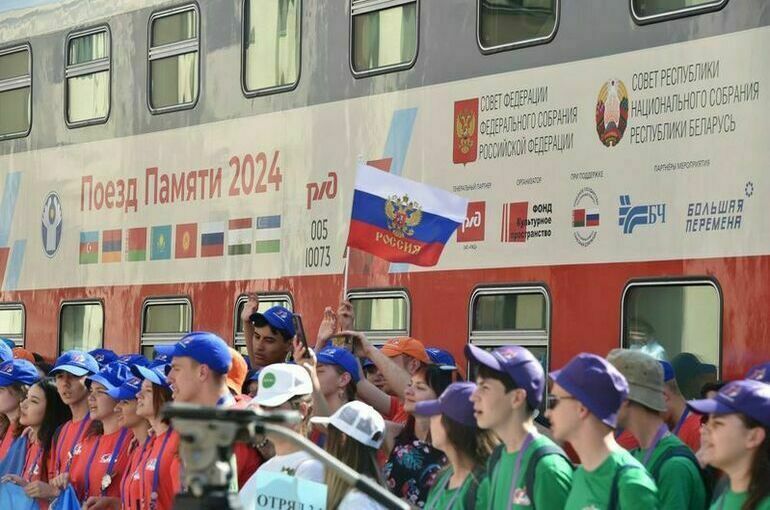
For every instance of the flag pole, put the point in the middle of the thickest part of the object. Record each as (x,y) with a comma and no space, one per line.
(345,274)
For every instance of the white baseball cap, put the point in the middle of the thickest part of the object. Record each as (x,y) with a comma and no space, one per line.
(359,421)
(280,382)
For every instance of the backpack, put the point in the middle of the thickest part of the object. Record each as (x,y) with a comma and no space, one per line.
(537,456)
(684,451)
(614,491)
(477,476)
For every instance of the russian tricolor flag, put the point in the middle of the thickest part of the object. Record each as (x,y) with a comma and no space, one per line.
(401,220)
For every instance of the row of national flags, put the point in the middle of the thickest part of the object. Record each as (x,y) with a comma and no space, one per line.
(164,242)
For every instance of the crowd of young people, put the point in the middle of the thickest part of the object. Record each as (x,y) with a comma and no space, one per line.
(600,433)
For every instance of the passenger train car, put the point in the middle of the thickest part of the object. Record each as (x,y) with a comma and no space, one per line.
(161,159)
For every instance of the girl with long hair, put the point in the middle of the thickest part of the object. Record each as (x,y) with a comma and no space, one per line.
(42,412)
(354,433)
(15,378)
(453,430)
(736,440)
(414,463)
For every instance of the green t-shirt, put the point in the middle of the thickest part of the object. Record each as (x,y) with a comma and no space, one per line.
(553,478)
(679,482)
(443,498)
(591,489)
(734,501)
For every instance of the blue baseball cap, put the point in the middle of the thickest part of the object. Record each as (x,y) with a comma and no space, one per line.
(518,363)
(340,357)
(112,376)
(6,353)
(254,376)
(103,356)
(156,375)
(668,370)
(205,348)
(455,403)
(760,373)
(77,363)
(596,383)
(128,390)
(134,359)
(8,342)
(442,358)
(162,354)
(279,318)
(18,371)
(749,397)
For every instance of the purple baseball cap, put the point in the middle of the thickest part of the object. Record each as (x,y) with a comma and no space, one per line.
(342,358)
(455,403)
(760,373)
(156,375)
(518,363)
(596,383)
(749,397)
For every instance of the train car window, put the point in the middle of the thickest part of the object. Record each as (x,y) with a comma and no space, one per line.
(648,11)
(87,77)
(679,321)
(12,322)
(174,61)
(81,326)
(506,24)
(381,314)
(15,92)
(272,35)
(384,35)
(265,301)
(511,316)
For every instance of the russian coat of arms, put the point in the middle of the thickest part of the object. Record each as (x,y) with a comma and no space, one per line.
(403,214)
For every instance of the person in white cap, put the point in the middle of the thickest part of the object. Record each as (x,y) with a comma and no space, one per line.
(355,432)
(285,387)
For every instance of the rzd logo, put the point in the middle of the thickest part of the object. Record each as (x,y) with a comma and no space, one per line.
(472,229)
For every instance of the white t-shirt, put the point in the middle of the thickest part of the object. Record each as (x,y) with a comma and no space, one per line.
(357,500)
(299,464)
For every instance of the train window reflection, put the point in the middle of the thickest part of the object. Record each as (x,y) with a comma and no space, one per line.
(384,35)
(658,10)
(12,322)
(381,314)
(81,326)
(15,92)
(173,59)
(271,44)
(88,77)
(679,322)
(504,24)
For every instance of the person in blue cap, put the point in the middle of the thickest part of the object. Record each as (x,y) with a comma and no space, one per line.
(134,359)
(759,373)
(198,373)
(70,372)
(527,470)
(96,471)
(736,440)
(103,356)
(442,358)
(681,422)
(6,353)
(16,376)
(251,385)
(583,408)
(453,430)
(268,335)
(162,354)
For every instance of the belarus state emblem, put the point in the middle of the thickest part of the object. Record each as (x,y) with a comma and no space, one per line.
(466,132)
(612,112)
(403,214)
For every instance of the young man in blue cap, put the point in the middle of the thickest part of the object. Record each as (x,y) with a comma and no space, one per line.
(671,463)
(268,335)
(528,470)
(583,408)
(682,423)
(198,373)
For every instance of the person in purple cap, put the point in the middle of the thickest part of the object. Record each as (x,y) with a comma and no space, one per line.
(736,440)
(268,335)
(528,470)
(198,373)
(70,372)
(454,431)
(583,408)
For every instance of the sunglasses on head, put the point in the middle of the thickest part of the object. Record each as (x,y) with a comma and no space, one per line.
(553,400)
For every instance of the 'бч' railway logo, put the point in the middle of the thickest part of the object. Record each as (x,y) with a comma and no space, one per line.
(612,112)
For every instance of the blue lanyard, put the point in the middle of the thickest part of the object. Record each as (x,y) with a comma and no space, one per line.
(156,474)
(72,447)
(515,479)
(132,470)
(681,421)
(660,434)
(113,458)
(31,470)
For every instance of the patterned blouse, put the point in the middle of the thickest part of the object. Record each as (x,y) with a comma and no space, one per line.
(412,469)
